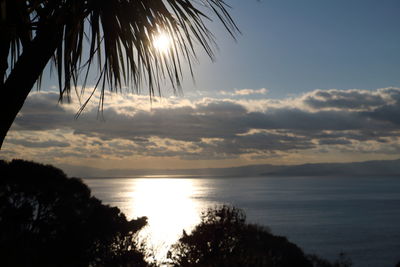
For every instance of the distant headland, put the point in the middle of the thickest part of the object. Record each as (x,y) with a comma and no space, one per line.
(366,168)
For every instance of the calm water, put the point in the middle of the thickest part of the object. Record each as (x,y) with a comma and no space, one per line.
(359,216)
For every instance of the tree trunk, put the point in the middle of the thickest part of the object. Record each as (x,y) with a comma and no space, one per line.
(24,75)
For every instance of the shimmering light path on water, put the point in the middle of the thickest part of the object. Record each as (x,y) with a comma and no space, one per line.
(168,205)
(357,215)
(171,205)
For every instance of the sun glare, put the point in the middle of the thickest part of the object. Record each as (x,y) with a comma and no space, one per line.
(169,206)
(162,42)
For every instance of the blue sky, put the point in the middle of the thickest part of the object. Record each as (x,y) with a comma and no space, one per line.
(295,46)
(307,81)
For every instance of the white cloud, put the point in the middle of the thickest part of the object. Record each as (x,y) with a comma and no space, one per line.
(245,92)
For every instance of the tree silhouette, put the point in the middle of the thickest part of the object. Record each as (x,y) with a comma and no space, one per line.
(47,219)
(342,261)
(223,238)
(115,35)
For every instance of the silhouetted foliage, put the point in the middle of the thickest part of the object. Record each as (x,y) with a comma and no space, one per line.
(47,219)
(223,238)
(342,261)
(398,264)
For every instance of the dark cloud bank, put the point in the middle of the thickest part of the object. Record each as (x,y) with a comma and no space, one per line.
(226,128)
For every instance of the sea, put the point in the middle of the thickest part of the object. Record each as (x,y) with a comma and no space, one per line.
(359,216)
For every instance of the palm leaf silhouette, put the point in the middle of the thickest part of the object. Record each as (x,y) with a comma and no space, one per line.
(117,36)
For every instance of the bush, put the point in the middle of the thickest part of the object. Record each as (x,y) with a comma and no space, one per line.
(342,261)
(47,219)
(223,238)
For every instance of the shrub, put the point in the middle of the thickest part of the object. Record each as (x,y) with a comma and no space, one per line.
(223,238)
(47,219)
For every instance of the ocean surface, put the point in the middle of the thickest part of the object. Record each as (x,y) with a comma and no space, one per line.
(324,215)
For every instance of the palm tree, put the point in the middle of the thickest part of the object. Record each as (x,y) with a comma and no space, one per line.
(113,35)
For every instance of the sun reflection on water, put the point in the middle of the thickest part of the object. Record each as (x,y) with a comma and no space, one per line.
(169,206)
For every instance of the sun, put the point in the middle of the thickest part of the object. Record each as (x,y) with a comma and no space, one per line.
(162,42)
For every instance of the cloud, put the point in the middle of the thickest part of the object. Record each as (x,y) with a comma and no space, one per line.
(39,144)
(321,121)
(245,92)
(350,99)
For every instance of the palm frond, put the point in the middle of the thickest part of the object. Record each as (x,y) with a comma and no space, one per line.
(117,36)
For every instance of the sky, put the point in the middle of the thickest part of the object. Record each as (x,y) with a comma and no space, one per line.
(305,81)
